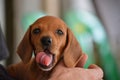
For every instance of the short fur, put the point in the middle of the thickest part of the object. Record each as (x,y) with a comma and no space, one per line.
(65,46)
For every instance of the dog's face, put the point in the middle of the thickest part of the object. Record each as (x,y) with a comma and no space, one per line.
(50,39)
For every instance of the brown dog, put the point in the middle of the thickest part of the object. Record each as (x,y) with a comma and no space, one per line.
(50,40)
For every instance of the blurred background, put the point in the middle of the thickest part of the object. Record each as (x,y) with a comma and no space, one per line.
(95,23)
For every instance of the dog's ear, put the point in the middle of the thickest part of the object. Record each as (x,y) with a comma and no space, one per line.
(73,51)
(25,48)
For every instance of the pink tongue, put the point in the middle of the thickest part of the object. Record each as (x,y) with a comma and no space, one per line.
(43,58)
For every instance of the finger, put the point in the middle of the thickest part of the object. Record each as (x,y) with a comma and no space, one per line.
(96,71)
(82,61)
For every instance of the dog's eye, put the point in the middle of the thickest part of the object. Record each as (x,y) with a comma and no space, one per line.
(59,32)
(36,31)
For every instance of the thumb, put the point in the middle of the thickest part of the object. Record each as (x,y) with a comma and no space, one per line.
(96,71)
(82,60)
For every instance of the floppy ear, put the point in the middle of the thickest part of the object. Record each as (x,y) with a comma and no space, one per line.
(25,48)
(72,52)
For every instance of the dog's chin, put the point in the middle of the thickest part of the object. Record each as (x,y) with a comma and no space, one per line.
(46,69)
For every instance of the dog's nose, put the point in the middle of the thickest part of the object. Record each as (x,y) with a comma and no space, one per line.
(46,41)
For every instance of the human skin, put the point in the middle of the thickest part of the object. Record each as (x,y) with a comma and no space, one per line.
(61,72)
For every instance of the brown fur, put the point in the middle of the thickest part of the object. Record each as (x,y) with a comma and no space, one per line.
(65,46)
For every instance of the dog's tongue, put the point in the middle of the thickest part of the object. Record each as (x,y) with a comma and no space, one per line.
(43,58)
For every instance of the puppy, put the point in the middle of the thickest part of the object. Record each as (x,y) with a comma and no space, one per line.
(50,40)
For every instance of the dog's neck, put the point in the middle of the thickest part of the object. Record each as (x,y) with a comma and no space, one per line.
(37,72)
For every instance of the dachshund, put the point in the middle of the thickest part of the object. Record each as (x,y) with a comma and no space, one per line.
(50,40)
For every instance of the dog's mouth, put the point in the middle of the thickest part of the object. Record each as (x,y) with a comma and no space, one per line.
(45,59)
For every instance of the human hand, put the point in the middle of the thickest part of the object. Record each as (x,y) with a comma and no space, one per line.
(61,72)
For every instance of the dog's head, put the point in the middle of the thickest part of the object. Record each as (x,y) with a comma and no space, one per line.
(50,39)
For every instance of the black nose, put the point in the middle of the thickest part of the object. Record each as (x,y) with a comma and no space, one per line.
(46,41)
